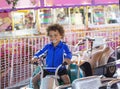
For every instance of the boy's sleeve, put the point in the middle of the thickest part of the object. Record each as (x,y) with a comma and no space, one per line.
(68,53)
(40,52)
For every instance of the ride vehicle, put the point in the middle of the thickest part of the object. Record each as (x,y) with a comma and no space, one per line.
(53,81)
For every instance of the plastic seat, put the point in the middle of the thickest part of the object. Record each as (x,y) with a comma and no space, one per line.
(75,72)
(86,67)
(91,82)
(36,71)
(114,83)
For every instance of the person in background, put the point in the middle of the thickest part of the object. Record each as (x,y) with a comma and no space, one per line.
(57,53)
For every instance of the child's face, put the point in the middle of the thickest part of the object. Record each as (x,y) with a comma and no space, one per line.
(55,37)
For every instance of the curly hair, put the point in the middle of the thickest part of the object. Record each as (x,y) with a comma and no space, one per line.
(55,27)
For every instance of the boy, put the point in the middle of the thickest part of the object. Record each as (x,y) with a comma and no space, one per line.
(57,53)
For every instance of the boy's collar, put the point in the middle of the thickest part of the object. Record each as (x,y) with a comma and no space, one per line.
(59,44)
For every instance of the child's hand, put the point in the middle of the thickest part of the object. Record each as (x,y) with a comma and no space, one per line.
(34,60)
(68,61)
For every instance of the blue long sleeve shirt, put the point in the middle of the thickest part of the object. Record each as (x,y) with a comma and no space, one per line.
(55,55)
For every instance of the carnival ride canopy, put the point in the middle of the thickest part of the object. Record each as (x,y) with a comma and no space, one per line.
(44,3)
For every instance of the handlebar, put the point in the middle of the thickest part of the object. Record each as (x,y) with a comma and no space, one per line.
(63,64)
(57,69)
(89,39)
(41,59)
(34,63)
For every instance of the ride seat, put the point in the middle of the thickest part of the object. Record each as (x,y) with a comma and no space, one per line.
(74,72)
(91,82)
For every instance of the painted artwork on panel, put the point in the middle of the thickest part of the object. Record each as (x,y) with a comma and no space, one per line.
(5,22)
(9,4)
